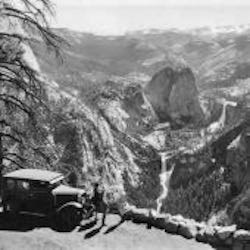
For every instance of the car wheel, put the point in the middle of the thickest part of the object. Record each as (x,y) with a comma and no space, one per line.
(68,218)
(88,212)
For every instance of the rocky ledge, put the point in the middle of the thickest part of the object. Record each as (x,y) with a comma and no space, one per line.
(228,237)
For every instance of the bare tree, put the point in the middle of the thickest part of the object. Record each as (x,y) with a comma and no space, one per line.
(21,91)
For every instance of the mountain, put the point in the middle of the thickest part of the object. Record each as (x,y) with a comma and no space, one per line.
(219,57)
(174,95)
(150,115)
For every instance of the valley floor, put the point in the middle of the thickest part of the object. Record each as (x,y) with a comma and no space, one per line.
(114,236)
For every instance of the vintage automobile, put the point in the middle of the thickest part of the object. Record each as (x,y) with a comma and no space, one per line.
(45,193)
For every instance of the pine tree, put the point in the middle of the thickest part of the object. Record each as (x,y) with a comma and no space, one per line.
(21,92)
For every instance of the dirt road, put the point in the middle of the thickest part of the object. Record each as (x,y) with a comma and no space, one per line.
(90,236)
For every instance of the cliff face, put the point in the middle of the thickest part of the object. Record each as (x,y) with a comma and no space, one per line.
(102,144)
(174,96)
(127,109)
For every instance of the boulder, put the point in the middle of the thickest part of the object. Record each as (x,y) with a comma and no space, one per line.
(210,234)
(171,226)
(242,235)
(163,221)
(140,215)
(160,221)
(223,233)
(201,236)
(187,229)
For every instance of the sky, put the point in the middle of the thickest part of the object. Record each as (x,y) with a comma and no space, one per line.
(115,17)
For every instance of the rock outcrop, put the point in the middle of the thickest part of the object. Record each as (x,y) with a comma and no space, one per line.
(238,161)
(127,109)
(174,96)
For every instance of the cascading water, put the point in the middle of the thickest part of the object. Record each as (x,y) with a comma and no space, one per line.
(218,125)
(165,177)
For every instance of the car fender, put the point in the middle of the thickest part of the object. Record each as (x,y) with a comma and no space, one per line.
(70,204)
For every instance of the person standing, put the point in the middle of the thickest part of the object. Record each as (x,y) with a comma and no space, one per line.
(100,204)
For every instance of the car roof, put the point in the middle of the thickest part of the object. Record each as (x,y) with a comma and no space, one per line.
(34,174)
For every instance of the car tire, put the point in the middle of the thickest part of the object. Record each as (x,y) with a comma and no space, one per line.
(68,219)
(88,212)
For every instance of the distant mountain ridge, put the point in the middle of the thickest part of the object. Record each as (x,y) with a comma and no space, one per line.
(218,56)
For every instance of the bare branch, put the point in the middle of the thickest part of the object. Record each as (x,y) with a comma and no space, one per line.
(23,90)
(11,137)
(14,35)
(16,155)
(51,39)
(43,155)
(17,103)
(15,130)
(19,82)
(13,161)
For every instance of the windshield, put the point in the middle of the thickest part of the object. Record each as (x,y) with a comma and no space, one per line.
(58,183)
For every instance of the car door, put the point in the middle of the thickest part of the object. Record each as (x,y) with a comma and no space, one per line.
(21,194)
(40,198)
(10,196)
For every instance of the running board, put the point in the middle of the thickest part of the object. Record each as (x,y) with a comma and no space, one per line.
(34,214)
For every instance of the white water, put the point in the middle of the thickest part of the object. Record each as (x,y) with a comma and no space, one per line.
(165,177)
(219,125)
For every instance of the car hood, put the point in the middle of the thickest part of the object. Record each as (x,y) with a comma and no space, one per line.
(66,190)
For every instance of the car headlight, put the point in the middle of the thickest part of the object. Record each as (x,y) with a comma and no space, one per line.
(81,198)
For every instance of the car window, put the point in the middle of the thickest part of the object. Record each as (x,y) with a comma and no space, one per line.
(39,185)
(10,184)
(23,185)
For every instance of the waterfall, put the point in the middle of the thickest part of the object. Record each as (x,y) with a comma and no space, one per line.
(165,177)
(218,125)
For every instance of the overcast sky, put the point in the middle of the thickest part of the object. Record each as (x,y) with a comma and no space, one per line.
(118,16)
(150,2)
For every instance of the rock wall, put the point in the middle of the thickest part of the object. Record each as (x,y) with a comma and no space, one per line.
(174,96)
(228,237)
